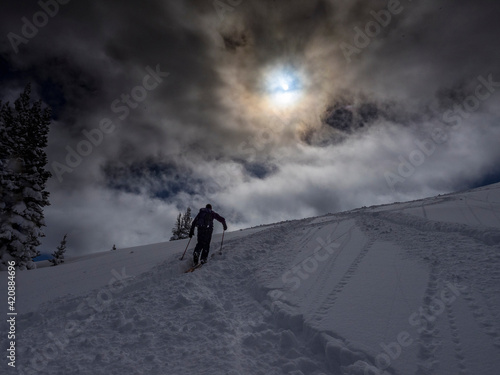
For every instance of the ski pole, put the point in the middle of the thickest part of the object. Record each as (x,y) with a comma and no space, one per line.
(221,242)
(182,257)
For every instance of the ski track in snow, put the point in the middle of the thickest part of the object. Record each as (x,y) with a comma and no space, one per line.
(339,287)
(429,338)
(325,277)
(423,210)
(207,318)
(238,316)
(450,258)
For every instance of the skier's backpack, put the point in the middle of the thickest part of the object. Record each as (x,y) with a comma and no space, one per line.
(204,219)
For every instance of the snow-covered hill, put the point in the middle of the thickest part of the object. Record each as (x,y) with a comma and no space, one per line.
(407,288)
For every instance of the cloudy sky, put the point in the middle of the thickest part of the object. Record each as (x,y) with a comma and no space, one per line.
(268,109)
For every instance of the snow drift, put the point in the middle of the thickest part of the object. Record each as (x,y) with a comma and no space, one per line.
(406,288)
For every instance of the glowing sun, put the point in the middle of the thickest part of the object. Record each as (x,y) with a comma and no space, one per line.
(283,86)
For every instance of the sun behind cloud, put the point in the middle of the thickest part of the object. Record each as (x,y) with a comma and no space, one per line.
(284,86)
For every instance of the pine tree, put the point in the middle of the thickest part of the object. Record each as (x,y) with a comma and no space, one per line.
(24,132)
(177,229)
(186,223)
(58,256)
(182,226)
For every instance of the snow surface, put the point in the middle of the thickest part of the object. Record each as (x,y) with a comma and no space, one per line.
(407,288)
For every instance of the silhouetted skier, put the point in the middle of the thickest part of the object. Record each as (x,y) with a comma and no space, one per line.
(204,221)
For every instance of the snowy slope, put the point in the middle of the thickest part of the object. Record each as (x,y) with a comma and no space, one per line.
(408,288)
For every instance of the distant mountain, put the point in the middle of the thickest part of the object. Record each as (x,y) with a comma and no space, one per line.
(42,257)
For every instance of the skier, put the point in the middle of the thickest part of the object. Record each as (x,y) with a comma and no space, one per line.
(204,221)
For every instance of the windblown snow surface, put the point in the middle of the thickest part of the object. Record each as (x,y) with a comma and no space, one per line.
(406,288)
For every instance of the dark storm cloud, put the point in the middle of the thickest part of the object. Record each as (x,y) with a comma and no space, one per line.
(207,131)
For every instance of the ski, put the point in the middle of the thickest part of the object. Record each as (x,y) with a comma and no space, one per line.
(191,269)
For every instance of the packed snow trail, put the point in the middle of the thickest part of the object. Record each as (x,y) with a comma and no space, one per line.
(409,288)
(207,322)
